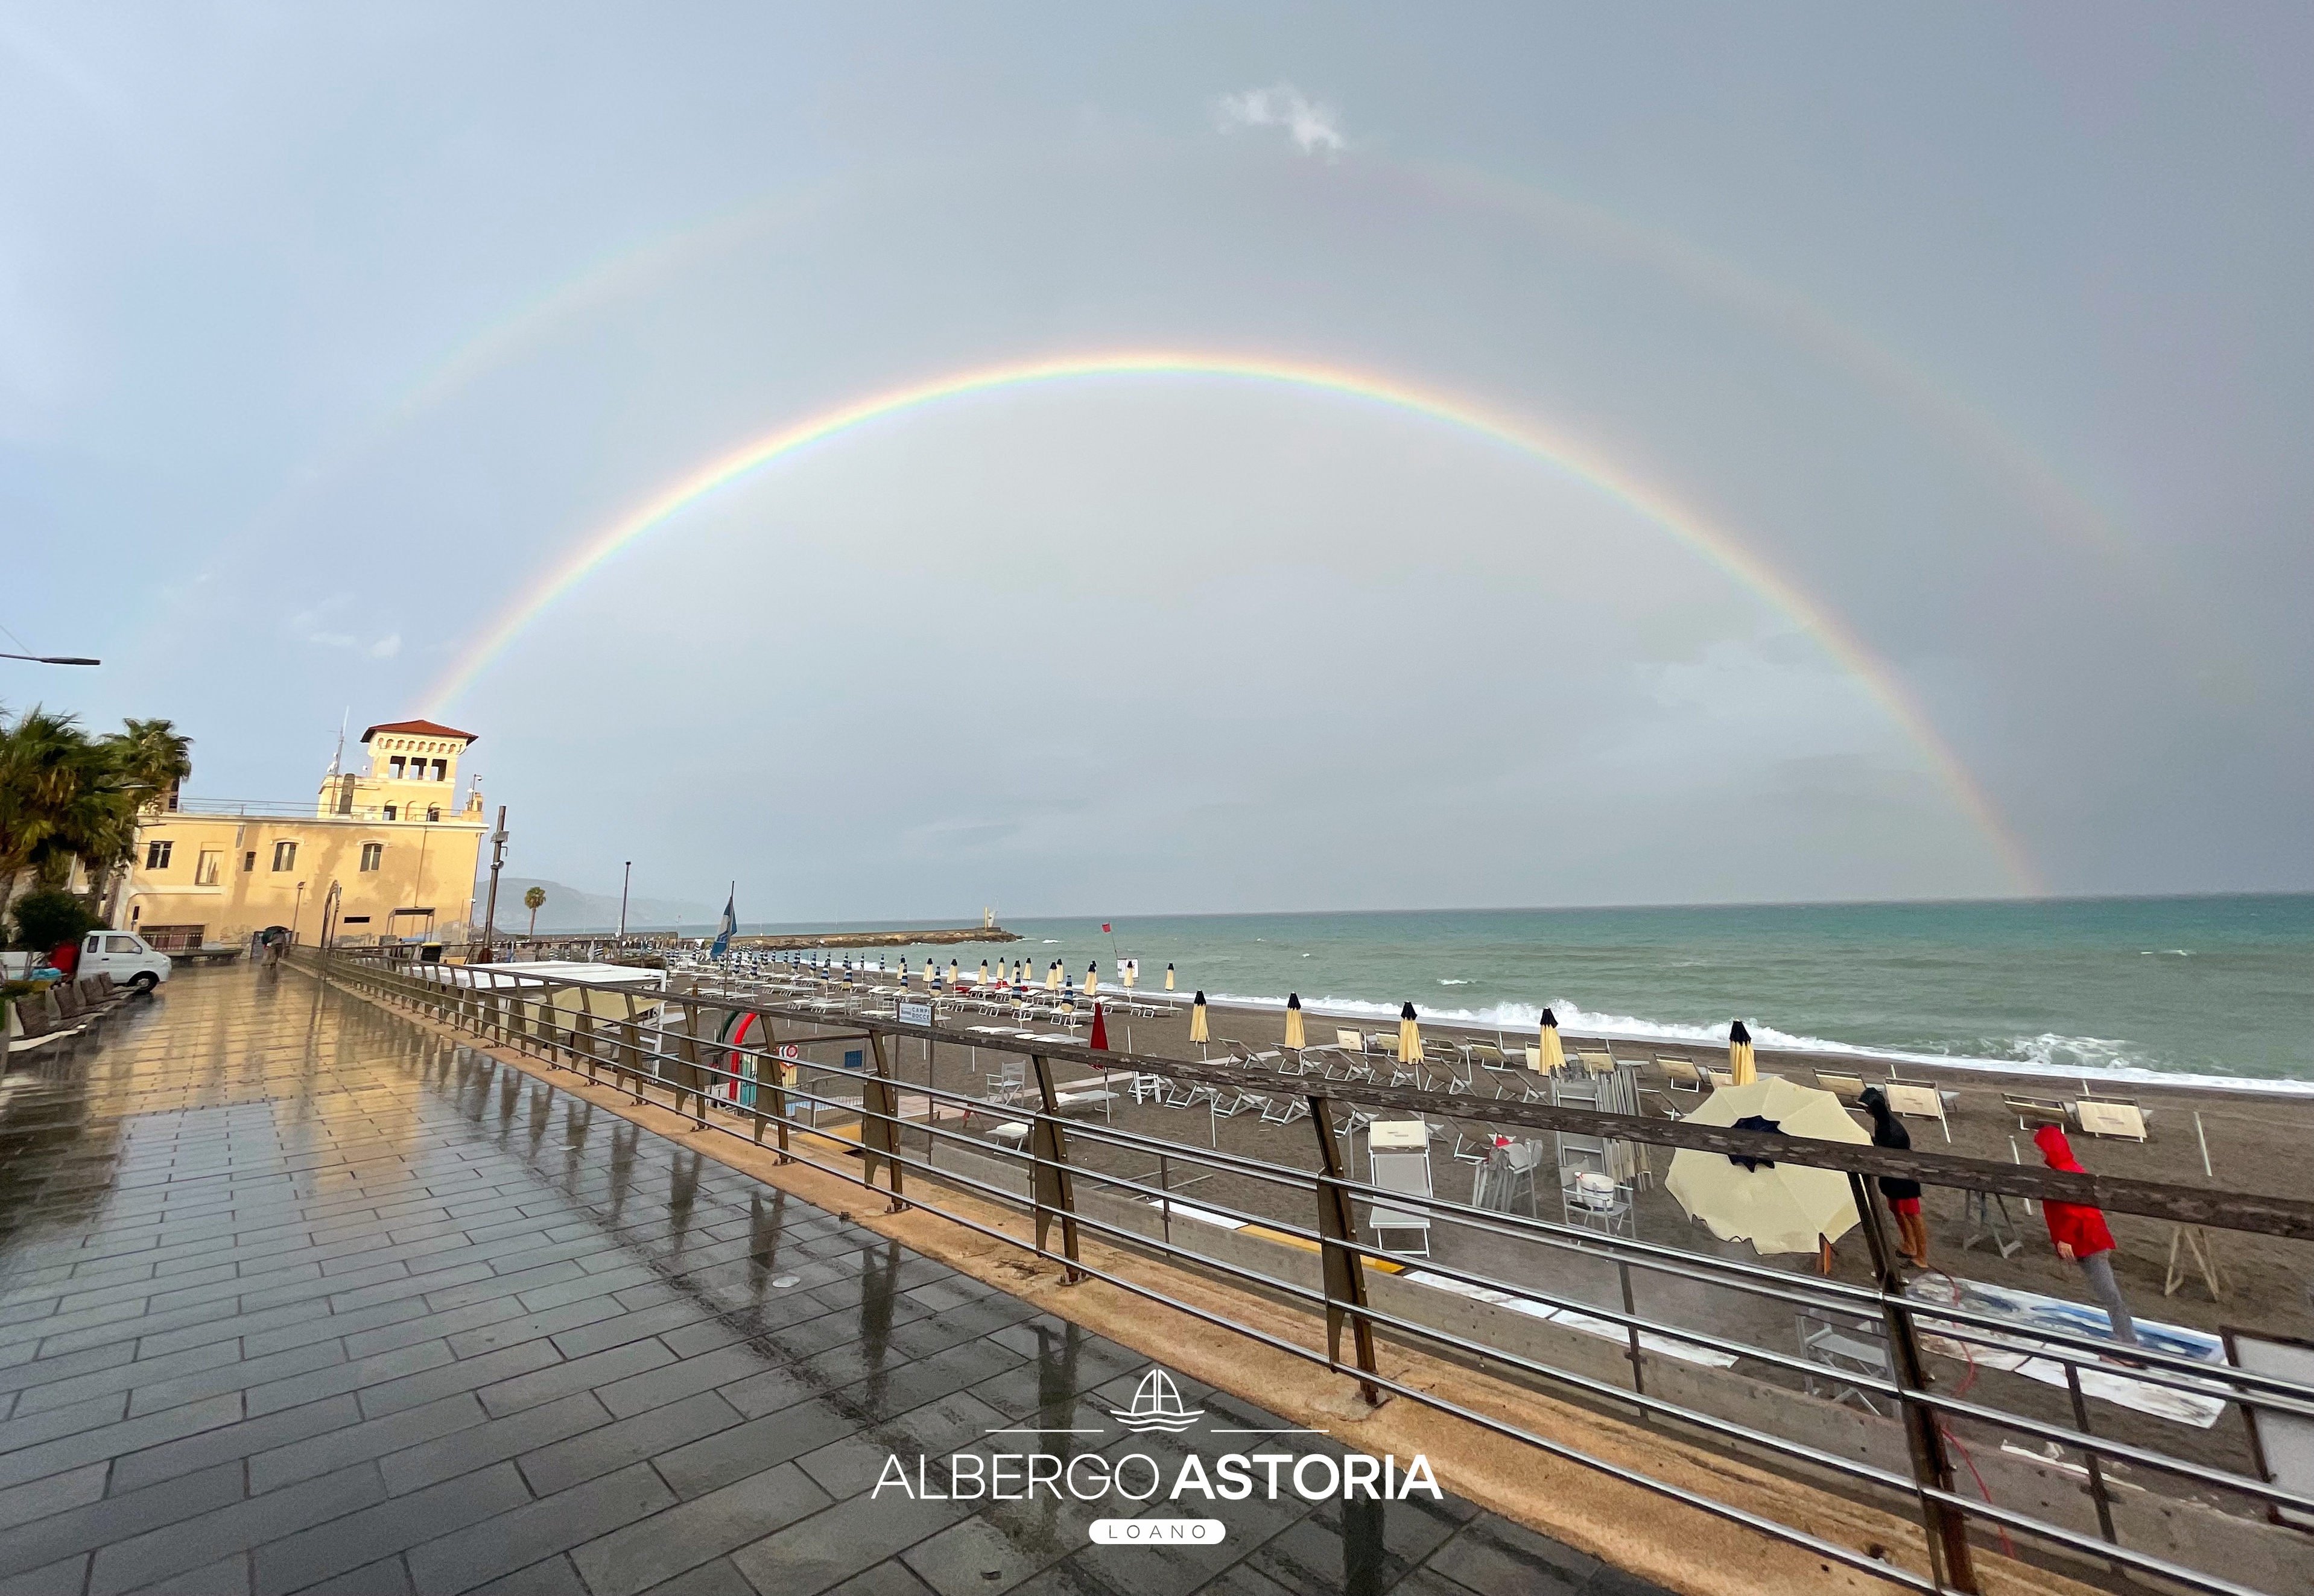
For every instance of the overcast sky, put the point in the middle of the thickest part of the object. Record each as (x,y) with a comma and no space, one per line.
(1983,331)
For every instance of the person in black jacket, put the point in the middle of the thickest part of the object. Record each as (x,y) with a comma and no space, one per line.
(1904,1196)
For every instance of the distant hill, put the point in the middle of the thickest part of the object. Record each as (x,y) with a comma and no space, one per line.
(566,908)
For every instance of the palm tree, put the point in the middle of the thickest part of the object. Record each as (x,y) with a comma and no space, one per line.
(47,766)
(67,799)
(533,898)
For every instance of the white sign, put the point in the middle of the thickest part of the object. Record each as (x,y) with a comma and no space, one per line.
(1128,967)
(915,1013)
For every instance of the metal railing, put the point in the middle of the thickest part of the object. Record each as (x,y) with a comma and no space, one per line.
(659,1040)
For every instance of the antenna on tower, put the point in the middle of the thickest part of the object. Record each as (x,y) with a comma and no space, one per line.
(338,760)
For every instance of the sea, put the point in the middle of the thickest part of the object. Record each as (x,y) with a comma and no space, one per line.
(2218,987)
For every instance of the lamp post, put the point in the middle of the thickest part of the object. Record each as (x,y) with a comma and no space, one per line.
(296,910)
(623,880)
(498,857)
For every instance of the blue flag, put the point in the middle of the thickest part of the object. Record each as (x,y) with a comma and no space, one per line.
(723,930)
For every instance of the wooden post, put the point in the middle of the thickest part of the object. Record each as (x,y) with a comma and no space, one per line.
(1949,1553)
(1055,1194)
(879,1122)
(1344,1270)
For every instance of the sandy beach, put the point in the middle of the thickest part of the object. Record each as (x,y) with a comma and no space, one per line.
(2256,1141)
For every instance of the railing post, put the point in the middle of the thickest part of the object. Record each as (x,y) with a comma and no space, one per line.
(687,1044)
(1952,1559)
(582,1035)
(1343,1270)
(879,1122)
(2098,1492)
(1056,1193)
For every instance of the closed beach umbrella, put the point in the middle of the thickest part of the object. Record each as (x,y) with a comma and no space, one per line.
(983,972)
(1777,1207)
(1197,1031)
(1294,1037)
(1554,1056)
(1169,978)
(1741,1069)
(954,970)
(1092,977)
(1053,978)
(1099,1042)
(1409,1036)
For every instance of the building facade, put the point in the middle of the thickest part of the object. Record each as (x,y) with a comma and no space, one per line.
(386,855)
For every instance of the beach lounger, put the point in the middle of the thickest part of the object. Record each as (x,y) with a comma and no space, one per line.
(1596,1063)
(2122,1118)
(2035,1111)
(1683,1074)
(1846,1087)
(1145,1087)
(1283,1110)
(1917,1100)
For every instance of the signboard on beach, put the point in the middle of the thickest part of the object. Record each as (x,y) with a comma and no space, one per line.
(915,1013)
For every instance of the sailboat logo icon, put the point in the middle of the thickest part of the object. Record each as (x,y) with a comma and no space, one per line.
(1156,1406)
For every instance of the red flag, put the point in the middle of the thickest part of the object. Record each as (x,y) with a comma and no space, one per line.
(1104,925)
(1100,1032)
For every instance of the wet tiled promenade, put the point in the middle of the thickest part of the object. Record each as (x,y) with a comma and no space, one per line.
(297,1296)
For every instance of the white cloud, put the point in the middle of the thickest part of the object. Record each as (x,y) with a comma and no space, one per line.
(1315,129)
(308,626)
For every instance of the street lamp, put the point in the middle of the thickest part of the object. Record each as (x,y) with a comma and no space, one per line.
(296,910)
(623,880)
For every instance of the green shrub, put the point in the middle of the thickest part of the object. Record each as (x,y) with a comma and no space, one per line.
(47,920)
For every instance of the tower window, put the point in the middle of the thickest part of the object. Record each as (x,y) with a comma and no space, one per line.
(441,769)
(372,854)
(393,812)
(433,814)
(394,767)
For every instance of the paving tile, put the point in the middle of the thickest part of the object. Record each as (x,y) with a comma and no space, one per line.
(36,1499)
(232,1377)
(466,1374)
(493,1442)
(110,1441)
(106,1522)
(294,1561)
(553,1577)
(667,1543)
(745,1449)
(348,1376)
(388,1577)
(354,1440)
(63,1578)
(837,1542)
(228,1576)
(644,1435)
(679,1379)
(533,1533)
(575,1374)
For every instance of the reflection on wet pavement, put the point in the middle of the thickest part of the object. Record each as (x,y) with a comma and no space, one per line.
(295,1295)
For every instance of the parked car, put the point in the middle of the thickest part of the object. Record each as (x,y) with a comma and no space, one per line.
(129,958)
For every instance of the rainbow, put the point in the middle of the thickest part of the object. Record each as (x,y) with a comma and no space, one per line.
(1564,454)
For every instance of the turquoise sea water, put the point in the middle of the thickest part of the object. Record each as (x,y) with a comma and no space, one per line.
(2206,985)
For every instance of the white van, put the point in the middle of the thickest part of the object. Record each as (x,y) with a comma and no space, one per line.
(126,958)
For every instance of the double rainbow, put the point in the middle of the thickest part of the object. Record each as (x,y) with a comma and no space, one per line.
(1563,453)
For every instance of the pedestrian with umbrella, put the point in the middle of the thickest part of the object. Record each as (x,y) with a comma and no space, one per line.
(1904,1196)
(2079,1233)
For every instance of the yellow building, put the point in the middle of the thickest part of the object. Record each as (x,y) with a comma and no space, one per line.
(389,854)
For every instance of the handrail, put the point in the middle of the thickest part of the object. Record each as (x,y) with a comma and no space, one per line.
(517,1008)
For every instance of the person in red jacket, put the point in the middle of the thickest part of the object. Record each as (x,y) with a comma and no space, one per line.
(67,958)
(2081,1234)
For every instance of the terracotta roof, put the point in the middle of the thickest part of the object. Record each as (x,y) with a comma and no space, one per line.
(420,729)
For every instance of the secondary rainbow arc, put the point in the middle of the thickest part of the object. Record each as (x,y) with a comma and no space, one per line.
(1561,453)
